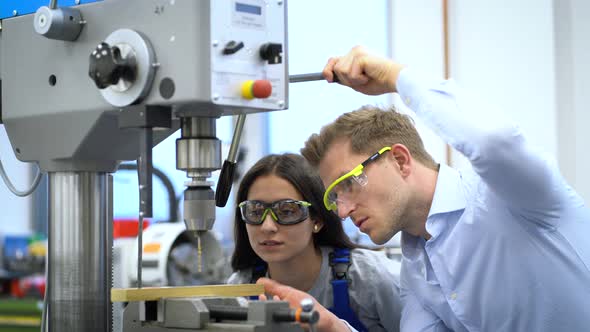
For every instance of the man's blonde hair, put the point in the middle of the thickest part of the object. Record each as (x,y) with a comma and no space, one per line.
(369,129)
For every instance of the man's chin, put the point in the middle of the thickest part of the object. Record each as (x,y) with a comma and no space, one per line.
(379,238)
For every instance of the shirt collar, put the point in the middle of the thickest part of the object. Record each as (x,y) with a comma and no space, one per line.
(448,197)
(448,193)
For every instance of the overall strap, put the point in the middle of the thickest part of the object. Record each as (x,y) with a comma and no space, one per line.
(340,262)
(258,271)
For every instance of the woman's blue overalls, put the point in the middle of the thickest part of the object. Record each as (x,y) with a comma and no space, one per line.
(340,262)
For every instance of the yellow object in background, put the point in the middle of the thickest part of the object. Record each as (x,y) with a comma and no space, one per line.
(151,248)
(38,249)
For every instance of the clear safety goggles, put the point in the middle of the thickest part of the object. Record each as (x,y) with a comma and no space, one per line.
(347,187)
(284,212)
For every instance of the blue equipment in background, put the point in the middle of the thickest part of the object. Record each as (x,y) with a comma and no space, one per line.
(12,8)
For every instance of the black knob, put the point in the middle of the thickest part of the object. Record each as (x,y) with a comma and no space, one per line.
(108,66)
(232,47)
(272,52)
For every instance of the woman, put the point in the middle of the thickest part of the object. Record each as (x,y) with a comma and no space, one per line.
(283,232)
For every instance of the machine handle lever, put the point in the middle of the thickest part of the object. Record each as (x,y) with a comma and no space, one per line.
(58,23)
(310,77)
(226,177)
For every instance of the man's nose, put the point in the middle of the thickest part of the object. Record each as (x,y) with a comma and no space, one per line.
(345,208)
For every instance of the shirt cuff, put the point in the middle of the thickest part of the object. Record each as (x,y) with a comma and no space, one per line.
(413,87)
(408,86)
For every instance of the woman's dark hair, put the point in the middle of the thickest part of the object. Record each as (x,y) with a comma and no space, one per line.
(295,169)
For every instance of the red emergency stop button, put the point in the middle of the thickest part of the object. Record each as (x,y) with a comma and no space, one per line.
(256,89)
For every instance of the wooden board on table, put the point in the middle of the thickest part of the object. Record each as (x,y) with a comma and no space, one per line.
(156,293)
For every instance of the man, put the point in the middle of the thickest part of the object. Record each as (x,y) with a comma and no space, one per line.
(501,247)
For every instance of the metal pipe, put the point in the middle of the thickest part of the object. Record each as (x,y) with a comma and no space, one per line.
(79,258)
(144,172)
(310,77)
(306,77)
(232,156)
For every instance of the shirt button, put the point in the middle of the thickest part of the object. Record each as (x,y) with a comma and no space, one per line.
(453,296)
(408,101)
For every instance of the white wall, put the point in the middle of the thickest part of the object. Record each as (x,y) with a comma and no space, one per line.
(528,58)
(417,41)
(572,63)
(503,52)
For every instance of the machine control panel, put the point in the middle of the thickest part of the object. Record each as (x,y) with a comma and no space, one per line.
(248,40)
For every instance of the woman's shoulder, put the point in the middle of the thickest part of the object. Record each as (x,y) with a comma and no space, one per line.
(361,255)
(366,260)
(369,255)
(240,277)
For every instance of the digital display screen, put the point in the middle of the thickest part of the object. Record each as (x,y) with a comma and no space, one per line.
(250,9)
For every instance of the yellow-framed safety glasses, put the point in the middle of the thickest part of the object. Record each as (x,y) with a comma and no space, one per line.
(345,184)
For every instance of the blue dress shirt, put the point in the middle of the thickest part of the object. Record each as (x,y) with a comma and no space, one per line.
(509,249)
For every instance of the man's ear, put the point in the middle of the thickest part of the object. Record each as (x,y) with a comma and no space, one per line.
(403,158)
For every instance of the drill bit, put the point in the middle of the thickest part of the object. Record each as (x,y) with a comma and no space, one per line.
(199,253)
